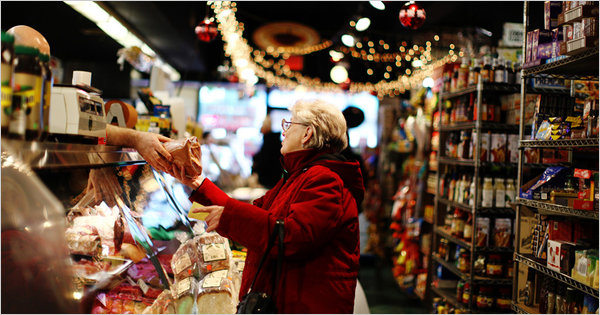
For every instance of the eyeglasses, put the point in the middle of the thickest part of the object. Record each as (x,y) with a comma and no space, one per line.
(285,125)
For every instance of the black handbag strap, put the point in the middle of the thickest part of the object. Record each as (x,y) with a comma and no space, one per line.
(278,230)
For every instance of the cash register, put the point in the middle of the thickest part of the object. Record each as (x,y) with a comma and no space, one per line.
(77,111)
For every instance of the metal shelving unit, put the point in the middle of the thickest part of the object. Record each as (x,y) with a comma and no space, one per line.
(557,210)
(533,263)
(563,143)
(475,210)
(581,66)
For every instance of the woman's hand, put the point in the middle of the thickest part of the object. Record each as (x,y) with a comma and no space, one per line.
(213,218)
(150,147)
(191,180)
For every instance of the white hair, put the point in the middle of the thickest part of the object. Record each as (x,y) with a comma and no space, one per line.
(326,121)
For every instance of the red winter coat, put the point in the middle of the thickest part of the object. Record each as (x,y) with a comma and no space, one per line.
(318,202)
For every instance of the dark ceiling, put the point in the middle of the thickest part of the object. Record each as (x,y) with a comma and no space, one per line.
(168,27)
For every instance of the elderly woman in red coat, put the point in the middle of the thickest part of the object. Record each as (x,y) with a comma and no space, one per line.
(316,198)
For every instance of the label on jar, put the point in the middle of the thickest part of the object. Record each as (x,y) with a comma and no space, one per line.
(482,301)
(503,303)
(494,270)
(465,297)
(468,231)
(487,198)
(212,252)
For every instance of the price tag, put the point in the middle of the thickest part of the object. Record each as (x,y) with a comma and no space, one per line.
(212,252)
(213,279)
(183,287)
(142,285)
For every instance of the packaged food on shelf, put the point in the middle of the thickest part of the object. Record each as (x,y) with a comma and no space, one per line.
(502,232)
(584,267)
(164,304)
(482,231)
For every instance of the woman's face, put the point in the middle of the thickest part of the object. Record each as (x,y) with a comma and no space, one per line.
(293,137)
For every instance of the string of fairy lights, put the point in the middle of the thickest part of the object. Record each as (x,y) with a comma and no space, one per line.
(251,64)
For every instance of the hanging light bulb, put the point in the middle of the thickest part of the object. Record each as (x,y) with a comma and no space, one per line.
(377,5)
(338,74)
(363,24)
(348,40)
(206,30)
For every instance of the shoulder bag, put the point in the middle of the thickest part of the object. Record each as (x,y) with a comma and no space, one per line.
(260,302)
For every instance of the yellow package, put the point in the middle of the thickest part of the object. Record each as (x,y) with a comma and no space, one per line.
(198,216)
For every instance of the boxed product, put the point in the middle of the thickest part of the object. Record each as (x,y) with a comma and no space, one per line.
(561,256)
(502,232)
(482,230)
(557,38)
(560,230)
(551,11)
(498,148)
(584,267)
(545,51)
(554,175)
(538,37)
(512,149)
(527,225)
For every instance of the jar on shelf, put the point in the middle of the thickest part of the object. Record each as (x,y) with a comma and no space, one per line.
(485,298)
(468,230)
(458,223)
(443,247)
(494,266)
(466,296)
(504,298)
(487,200)
(460,288)
(463,261)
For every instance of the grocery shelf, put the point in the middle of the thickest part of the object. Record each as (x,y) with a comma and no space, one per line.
(560,144)
(485,125)
(467,277)
(583,65)
(552,209)
(530,261)
(451,161)
(47,155)
(487,87)
(496,211)
(524,309)
(450,267)
(450,296)
(454,204)
(547,90)
(443,232)
(467,125)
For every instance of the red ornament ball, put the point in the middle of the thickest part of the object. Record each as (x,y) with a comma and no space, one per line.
(412,15)
(206,30)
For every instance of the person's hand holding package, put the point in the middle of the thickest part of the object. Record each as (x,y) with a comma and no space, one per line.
(187,161)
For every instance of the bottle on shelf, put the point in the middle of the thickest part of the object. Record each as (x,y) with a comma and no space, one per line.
(500,193)
(486,70)
(487,198)
(24,121)
(474,72)
(499,69)
(510,192)
(510,76)
(8,54)
(463,74)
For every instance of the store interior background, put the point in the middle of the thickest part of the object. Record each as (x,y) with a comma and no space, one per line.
(208,97)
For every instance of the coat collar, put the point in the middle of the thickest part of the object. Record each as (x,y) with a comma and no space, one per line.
(297,160)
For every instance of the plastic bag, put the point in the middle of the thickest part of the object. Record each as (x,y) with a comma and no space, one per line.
(215,294)
(186,154)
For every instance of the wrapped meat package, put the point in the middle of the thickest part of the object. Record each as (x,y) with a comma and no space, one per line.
(215,253)
(84,240)
(186,154)
(215,294)
(164,304)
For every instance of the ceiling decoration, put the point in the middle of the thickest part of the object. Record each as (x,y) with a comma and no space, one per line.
(250,64)
(288,38)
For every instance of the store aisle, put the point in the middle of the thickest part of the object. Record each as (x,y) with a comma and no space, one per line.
(383,294)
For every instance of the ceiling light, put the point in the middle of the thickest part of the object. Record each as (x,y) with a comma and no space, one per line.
(338,74)
(363,24)
(336,55)
(348,40)
(377,5)
(119,32)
